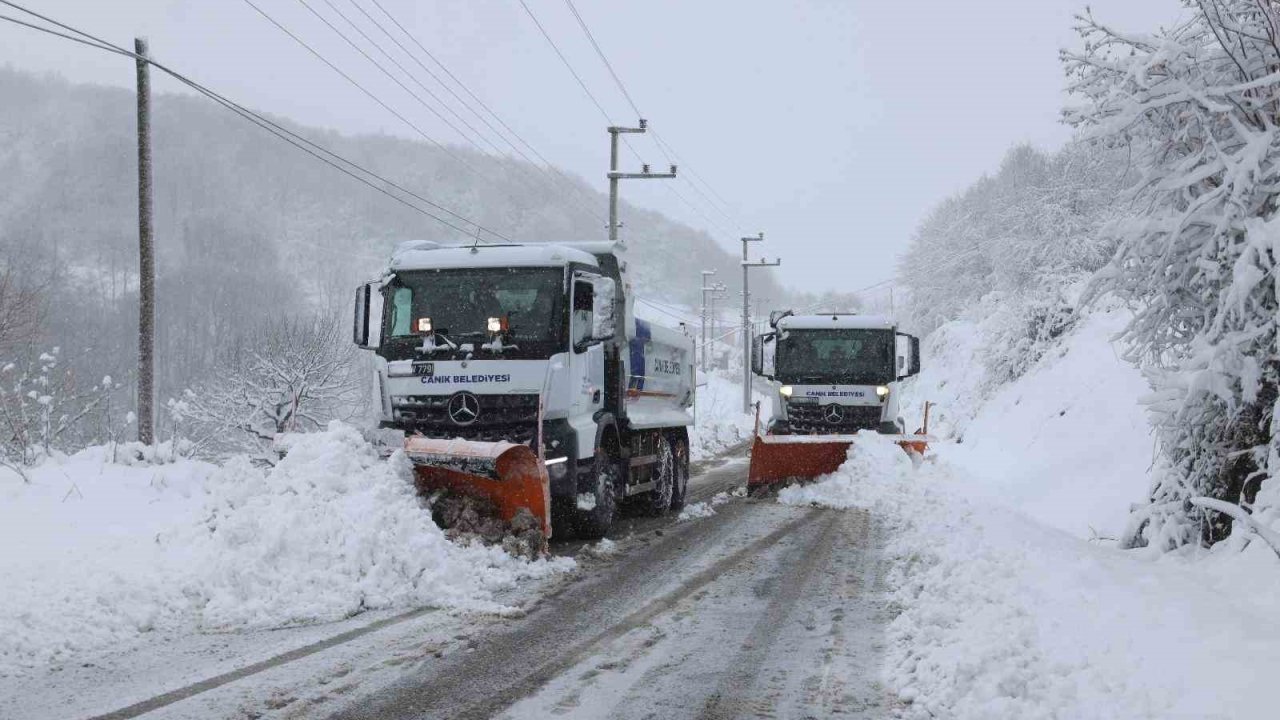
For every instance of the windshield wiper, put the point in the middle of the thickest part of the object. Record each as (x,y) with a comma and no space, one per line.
(430,346)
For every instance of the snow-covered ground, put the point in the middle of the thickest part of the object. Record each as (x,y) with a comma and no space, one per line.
(102,554)
(103,550)
(721,424)
(1010,600)
(1067,443)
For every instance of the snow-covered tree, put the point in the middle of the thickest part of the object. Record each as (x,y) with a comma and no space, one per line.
(1198,106)
(289,375)
(21,308)
(1026,232)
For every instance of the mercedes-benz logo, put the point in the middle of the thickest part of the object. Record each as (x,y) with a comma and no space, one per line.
(464,408)
(833,414)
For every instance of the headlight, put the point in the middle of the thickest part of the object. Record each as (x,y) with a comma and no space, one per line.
(495,325)
(424,325)
(785,391)
(882,390)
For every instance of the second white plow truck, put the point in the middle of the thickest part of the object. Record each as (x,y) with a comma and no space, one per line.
(520,375)
(839,375)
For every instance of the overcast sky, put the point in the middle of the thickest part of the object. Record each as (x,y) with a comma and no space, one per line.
(831,125)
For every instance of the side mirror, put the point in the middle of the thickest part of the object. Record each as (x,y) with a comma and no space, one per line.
(913,368)
(776,315)
(603,303)
(367,327)
(757,355)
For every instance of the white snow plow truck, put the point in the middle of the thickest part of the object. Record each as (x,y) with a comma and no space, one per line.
(521,378)
(838,374)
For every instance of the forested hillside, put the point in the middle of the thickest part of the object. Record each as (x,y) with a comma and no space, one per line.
(249,229)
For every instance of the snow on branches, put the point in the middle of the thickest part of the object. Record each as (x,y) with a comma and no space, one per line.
(1198,105)
(1027,232)
(290,375)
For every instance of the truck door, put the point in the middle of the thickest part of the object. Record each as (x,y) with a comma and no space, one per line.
(586,360)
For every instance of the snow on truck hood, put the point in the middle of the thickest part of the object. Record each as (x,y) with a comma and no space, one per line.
(542,255)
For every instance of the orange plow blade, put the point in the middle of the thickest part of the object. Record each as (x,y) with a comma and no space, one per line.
(777,458)
(782,458)
(510,476)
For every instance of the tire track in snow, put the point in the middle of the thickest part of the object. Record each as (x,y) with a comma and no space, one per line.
(732,695)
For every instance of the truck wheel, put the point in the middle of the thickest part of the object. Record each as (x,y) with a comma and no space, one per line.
(658,500)
(598,503)
(680,489)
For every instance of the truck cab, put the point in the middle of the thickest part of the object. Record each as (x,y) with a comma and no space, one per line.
(534,344)
(836,373)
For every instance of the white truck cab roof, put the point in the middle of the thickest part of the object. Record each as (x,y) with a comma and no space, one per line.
(834,321)
(424,255)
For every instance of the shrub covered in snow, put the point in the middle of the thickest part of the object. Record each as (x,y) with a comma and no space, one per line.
(1195,103)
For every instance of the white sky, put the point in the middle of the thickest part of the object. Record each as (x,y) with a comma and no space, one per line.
(831,125)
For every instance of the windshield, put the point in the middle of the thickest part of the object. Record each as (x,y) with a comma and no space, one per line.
(459,303)
(848,357)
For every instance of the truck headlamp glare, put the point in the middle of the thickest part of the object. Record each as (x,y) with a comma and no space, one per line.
(495,325)
(785,391)
(424,325)
(882,390)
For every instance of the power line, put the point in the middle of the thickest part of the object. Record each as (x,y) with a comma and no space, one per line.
(583,24)
(663,146)
(411,76)
(393,78)
(571,184)
(271,126)
(582,84)
(362,88)
(578,195)
(626,94)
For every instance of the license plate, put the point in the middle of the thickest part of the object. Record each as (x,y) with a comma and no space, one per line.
(424,369)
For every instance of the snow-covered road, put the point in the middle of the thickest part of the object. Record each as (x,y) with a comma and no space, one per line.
(758,607)
(749,605)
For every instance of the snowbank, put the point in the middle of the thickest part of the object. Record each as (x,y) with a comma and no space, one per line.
(1000,616)
(1067,442)
(99,553)
(721,423)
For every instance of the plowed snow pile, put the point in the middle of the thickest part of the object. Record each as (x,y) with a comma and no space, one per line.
(1001,616)
(97,553)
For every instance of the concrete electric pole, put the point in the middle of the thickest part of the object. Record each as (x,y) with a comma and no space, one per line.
(746,317)
(146,254)
(705,289)
(718,292)
(615,176)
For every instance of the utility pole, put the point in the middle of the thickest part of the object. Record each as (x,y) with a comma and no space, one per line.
(705,288)
(146,254)
(717,293)
(746,317)
(615,176)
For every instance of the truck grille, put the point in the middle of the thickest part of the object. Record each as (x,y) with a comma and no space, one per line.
(812,419)
(513,418)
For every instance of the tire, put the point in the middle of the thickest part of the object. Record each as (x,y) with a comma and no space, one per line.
(594,523)
(658,500)
(680,489)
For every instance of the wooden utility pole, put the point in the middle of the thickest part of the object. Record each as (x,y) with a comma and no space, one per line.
(146,255)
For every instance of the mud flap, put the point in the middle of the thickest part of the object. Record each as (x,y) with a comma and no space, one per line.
(506,474)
